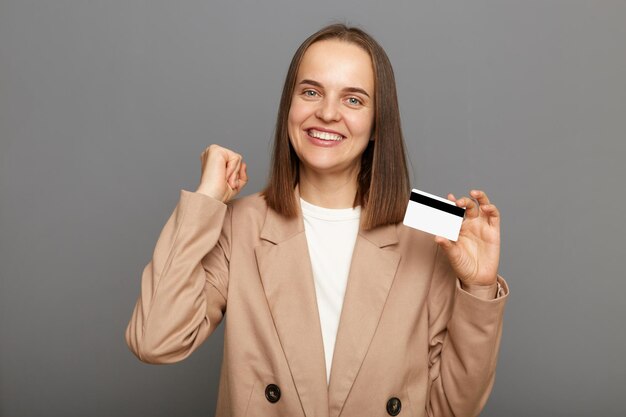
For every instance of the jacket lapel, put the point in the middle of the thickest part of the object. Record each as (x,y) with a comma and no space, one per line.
(287,278)
(371,274)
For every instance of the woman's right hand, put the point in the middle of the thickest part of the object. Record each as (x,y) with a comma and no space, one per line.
(223,173)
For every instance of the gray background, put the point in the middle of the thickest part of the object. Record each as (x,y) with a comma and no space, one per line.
(105,107)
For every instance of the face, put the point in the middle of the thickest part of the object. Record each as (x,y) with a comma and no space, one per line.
(332,108)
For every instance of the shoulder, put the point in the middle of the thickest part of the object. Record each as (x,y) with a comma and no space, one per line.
(251,208)
(252,201)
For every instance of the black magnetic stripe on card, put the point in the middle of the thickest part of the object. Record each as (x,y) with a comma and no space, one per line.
(436,204)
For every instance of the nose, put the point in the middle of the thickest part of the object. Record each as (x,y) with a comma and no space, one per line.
(328,110)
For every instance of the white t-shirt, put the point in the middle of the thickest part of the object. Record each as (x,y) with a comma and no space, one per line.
(330,234)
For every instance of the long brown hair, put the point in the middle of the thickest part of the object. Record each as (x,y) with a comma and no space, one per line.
(383,180)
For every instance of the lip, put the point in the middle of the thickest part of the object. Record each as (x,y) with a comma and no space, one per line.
(323,143)
(322,129)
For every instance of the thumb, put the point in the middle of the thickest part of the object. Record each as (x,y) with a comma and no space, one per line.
(444,243)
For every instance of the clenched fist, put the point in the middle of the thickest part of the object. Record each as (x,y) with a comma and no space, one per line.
(223,173)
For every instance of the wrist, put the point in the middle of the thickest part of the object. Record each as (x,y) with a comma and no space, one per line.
(484,291)
(208,193)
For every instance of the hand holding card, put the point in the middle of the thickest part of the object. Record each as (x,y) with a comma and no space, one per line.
(475,254)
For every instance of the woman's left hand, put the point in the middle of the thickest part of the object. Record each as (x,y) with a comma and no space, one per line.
(474,257)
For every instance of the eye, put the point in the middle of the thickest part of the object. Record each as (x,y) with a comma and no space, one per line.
(310,93)
(354,101)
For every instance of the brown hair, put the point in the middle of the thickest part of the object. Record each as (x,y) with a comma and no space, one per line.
(383,180)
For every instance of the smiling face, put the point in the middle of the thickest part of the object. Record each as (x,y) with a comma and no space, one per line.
(332,108)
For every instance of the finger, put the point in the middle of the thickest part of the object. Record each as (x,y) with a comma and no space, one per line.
(480,196)
(451,197)
(232,167)
(203,157)
(207,150)
(243,172)
(449,247)
(471,208)
(443,242)
(493,214)
(243,176)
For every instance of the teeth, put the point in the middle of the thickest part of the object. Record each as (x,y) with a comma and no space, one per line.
(325,135)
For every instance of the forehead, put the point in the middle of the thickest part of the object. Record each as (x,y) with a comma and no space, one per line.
(337,63)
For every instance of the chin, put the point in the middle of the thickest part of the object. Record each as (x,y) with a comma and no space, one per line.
(325,166)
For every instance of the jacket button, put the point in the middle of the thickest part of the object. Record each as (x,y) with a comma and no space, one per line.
(393,406)
(272,393)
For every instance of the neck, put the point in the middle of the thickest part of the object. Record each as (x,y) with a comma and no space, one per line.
(328,190)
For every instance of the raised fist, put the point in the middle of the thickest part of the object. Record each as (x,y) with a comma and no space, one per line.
(223,173)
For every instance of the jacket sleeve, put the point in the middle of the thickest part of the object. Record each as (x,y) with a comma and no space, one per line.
(464,339)
(184,287)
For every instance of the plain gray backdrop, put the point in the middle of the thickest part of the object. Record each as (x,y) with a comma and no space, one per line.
(105,107)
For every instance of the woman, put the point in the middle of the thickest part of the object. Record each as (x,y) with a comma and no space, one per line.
(334,307)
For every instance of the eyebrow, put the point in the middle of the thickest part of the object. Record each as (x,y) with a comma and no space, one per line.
(349,89)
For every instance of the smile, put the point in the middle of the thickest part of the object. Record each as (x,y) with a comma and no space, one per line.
(324,135)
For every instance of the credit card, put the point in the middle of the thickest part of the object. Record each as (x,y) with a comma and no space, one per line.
(434,215)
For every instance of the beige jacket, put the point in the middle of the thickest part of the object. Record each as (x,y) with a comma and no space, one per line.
(411,341)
